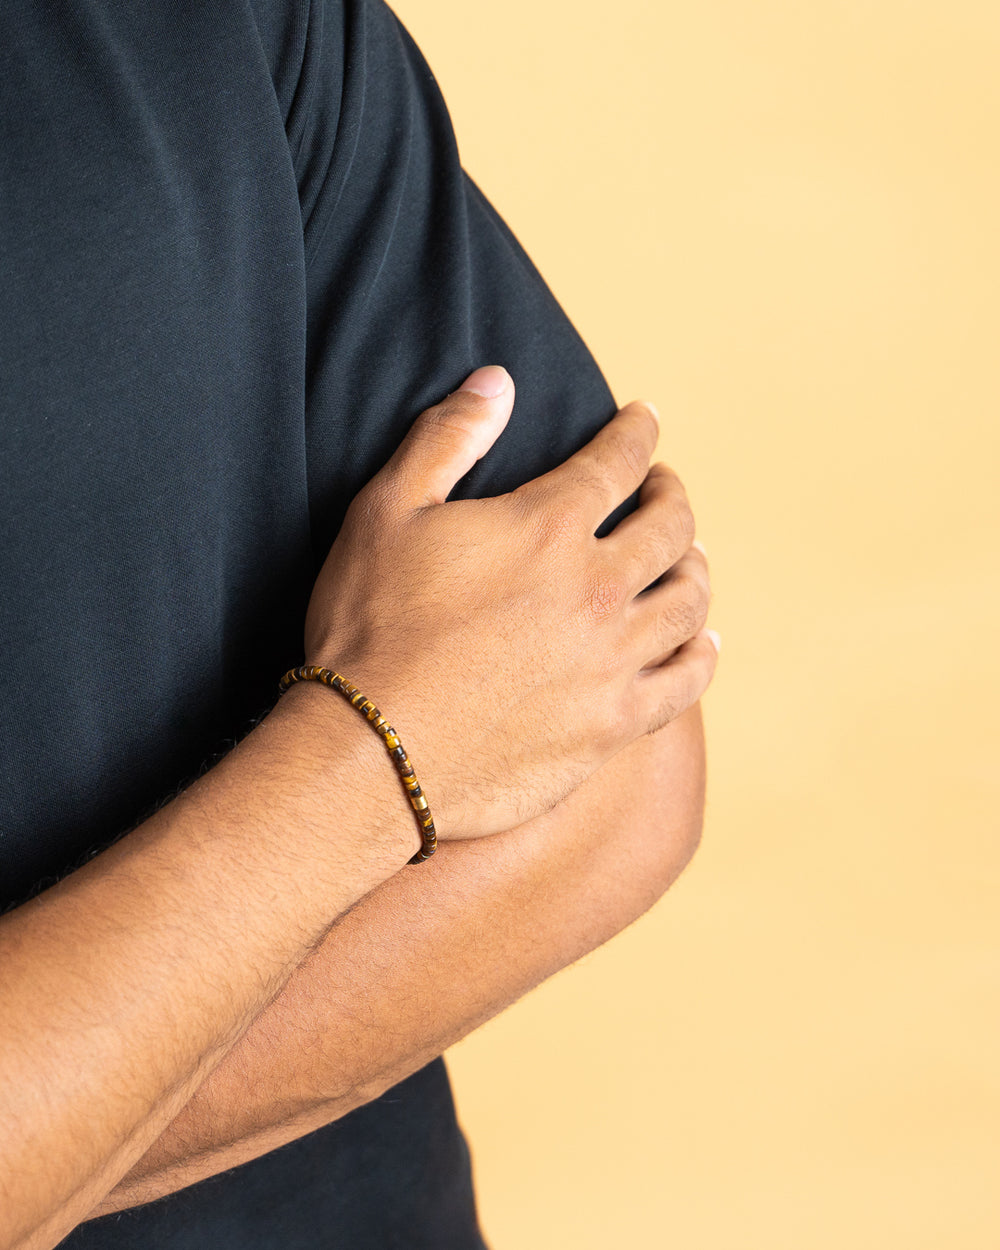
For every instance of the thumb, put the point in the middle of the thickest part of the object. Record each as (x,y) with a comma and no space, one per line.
(445,441)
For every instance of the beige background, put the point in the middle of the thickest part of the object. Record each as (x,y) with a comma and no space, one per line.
(779,220)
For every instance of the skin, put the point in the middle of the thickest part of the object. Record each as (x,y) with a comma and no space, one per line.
(126,985)
(553,890)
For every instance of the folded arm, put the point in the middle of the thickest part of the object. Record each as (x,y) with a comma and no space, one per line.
(125,984)
(407,972)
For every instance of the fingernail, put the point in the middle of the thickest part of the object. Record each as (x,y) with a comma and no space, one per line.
(489,381)
(716,640)
(696,543)
(652,409)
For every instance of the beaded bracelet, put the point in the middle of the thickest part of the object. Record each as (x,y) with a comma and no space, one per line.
(312,672)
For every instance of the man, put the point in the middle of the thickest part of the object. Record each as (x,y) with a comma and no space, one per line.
(240,256)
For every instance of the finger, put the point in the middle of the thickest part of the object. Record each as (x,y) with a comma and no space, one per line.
(668,614)
(654,536)
(445,441)
(603,474)
(666,691)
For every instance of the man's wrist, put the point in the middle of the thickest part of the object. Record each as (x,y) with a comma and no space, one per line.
(369,814)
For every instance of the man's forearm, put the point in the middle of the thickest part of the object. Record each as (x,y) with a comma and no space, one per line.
(126,983)
(362,1014)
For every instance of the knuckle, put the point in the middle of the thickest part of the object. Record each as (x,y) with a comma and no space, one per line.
(628,449)
(699,597)
(454,408)
(661,550)
(605,596)
(680,618)
(443,424)
(669,476)
(689,617)
(704,599)
(683,523)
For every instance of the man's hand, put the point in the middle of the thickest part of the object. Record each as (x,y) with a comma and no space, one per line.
(514,651)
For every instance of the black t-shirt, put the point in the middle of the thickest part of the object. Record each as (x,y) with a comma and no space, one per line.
(239,255)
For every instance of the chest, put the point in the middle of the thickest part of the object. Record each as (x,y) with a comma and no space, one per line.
(154,518)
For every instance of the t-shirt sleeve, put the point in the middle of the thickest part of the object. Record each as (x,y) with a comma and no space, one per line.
(413,279)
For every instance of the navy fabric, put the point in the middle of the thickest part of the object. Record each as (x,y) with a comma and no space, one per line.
(239,255)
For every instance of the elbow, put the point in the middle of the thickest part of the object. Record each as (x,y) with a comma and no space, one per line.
(668,810)
(686,841)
